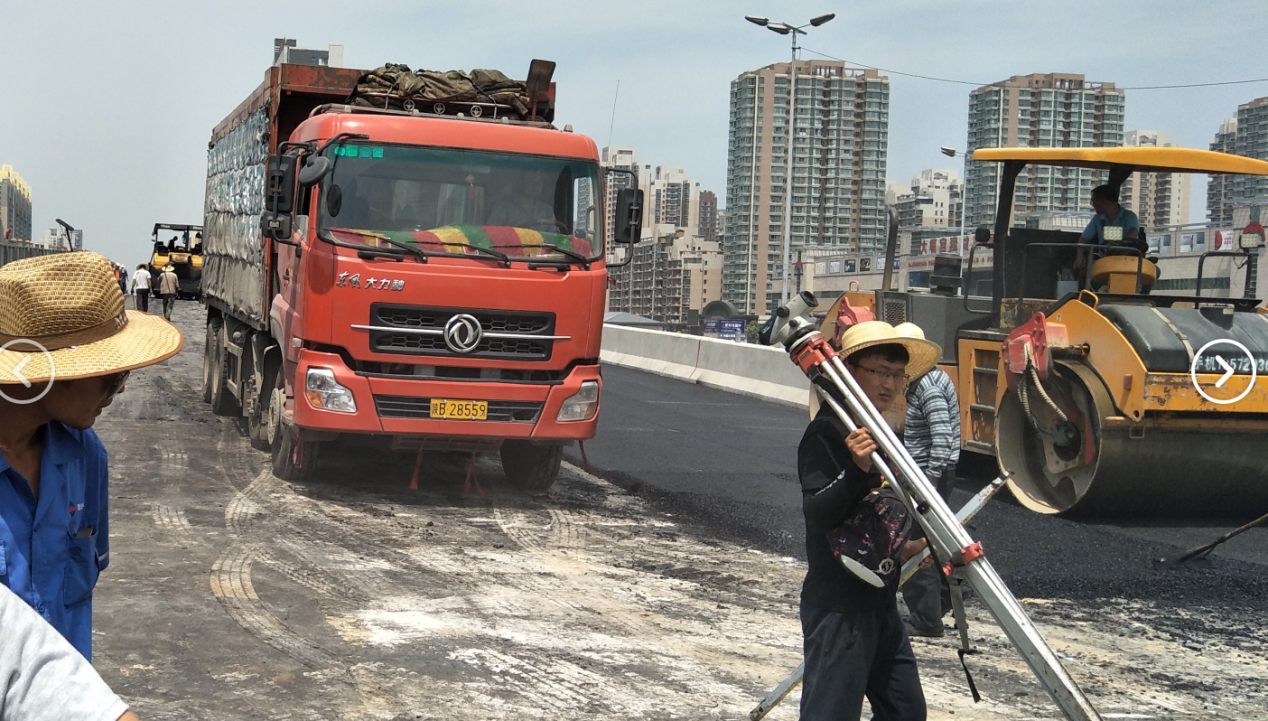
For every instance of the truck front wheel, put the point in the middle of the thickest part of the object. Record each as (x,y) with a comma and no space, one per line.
(282,438)
(531,467)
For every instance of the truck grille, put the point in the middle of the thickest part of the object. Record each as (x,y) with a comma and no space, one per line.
(422,332)
(500,411)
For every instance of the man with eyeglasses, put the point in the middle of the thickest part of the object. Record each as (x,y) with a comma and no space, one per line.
(64,356)
(855,644)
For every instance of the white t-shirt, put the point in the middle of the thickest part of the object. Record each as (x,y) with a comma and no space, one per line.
(141,279)
(43,677)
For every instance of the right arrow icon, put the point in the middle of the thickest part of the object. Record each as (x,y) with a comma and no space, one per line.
(1228,372)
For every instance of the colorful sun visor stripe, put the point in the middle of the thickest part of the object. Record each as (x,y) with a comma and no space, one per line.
(515,242)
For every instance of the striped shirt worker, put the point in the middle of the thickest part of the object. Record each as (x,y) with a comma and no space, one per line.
(931,430)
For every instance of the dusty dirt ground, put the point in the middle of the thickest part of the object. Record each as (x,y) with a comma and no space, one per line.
(233,595)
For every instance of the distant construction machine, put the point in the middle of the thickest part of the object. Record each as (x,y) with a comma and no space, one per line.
(1098,397)
(184,252)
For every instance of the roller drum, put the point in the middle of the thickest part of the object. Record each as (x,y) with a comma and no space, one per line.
(1178,465)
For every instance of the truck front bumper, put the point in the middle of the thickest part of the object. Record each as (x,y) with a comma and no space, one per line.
(399,406)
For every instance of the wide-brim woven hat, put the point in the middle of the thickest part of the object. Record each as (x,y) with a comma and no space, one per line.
(71,305)
(922,355)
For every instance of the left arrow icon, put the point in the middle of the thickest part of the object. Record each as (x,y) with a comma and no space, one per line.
(17,372)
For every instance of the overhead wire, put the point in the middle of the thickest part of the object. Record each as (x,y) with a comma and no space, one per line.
(970,82)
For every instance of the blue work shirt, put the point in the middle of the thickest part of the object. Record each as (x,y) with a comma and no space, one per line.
(1125,220)
(52,549)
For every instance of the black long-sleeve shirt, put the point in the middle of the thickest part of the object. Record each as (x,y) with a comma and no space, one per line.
(831,485)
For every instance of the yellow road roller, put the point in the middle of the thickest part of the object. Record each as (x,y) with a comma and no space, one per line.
(1097,396)
(184,252)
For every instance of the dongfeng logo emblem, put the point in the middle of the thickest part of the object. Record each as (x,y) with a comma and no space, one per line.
(463,333)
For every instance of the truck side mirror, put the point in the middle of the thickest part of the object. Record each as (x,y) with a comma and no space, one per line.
(982,236)
(315,168)
(276,226)
(279,194)
(629,216)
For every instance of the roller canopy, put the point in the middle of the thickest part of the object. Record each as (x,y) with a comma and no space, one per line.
(1165,160)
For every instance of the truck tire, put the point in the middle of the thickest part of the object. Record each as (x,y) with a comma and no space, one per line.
(281,437)
(531,467)
(209,352)
(222,401)
(256,430)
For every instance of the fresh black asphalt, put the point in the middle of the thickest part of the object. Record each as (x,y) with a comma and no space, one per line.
(729,461)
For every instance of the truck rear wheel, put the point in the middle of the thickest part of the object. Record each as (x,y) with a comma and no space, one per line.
(222,401)
(531,467)
(209,352)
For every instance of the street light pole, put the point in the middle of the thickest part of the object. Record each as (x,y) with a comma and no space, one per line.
(964,185)
(794,31)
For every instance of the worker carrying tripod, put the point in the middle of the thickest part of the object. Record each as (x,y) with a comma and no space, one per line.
(855,643)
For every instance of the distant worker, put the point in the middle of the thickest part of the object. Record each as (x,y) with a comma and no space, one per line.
(1108,214)
(526,209)
(168,287)
(931,433)
(123,280)
(141,287)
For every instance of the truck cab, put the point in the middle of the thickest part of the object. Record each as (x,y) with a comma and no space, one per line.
(434,283)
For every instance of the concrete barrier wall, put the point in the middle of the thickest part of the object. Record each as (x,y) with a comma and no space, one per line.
(745,368)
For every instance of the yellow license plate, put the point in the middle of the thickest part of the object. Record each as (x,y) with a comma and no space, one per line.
(459,410)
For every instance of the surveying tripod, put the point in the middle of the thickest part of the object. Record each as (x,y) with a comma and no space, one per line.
(826,369)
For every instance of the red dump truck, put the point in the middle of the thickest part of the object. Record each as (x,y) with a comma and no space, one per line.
(406,275)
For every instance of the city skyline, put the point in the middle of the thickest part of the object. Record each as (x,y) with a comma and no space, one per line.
(152,146)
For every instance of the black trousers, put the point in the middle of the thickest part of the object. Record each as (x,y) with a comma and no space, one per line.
(143,300)
(854,655)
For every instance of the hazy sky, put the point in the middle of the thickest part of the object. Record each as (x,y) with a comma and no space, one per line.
(110,105)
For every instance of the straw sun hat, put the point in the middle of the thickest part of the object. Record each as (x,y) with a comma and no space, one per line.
(922,355)
(70,303)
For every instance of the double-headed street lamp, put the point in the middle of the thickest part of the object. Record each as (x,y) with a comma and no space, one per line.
(794,31)
(964,183)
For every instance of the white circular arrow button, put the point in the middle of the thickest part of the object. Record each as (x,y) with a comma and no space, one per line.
(1209,363)
(16,370)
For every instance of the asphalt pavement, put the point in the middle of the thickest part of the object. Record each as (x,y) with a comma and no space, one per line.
(662,586)
(729,460)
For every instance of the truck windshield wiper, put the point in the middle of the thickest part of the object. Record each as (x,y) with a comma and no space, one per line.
(575,256)
(502,257)
(419,252)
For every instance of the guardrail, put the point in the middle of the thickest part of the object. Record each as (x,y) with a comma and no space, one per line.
(744,368)
(10,251)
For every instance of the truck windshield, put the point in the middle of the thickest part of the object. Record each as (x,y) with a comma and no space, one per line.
(461,201)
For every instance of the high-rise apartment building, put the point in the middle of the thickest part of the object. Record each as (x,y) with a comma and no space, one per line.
(15,205)
(1053,110)
(1252,142)
(708,215)
(673,199)
(932,200)
(1158,199)
(1219,188)
(841,135)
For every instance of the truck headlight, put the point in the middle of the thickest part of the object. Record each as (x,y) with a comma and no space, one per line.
(582,405)
(325,393)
